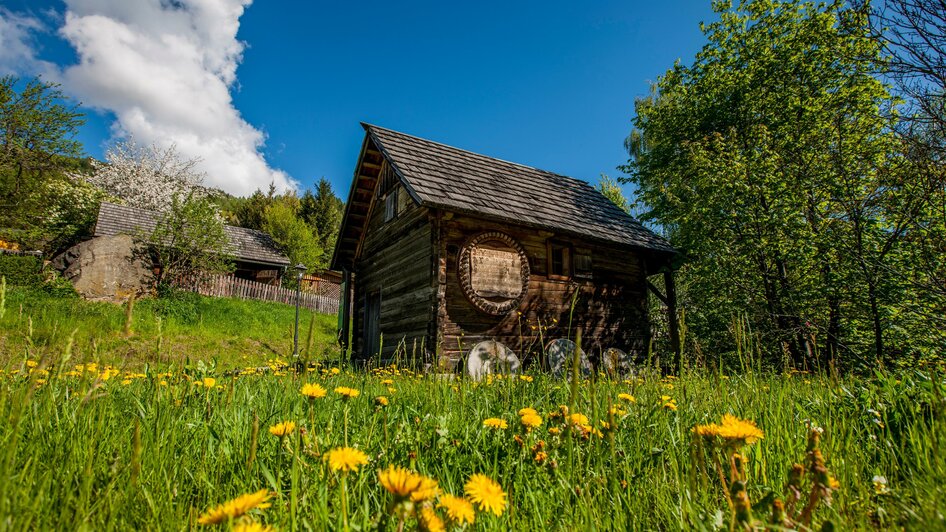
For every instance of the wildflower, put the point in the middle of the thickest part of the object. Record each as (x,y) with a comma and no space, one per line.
(209,382)
(252,527)
(880,485)
(399,481)
(429,521)
(282,429)
(627,397)
(235,508)
(527,410)
(381,400)
(734,430)
(347,393)
(31,363)
(427,490)
(487,493)
(525,378)
(387,382)
(541,456)
(615,411)
(531,421)
(459,510)
(345,459)
(335,371)
(578,419)
(313,391)
(555,431)
(495,423)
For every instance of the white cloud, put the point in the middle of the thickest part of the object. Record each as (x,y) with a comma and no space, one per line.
(17,46)
(165,69)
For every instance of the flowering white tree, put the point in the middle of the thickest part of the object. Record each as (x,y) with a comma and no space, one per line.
(147,177)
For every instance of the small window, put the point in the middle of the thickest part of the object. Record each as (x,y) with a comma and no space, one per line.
(390,205)
(560,260)
(582,264)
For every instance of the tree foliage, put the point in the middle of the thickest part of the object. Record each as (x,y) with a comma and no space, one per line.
(323,212)
(147,177)
(292,235)
(189,242)
(772,163)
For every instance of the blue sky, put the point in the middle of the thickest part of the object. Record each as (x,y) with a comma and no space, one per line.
(547,84)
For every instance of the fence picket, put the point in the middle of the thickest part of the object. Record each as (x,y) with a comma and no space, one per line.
(230,286)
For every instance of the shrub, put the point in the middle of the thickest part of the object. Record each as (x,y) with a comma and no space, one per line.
(21,270)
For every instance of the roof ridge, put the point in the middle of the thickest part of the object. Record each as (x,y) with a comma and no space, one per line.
(577,180)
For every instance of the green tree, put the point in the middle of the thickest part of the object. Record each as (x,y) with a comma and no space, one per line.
(768,162)
(612,190)
(189,242)
(323,212)
(293,236)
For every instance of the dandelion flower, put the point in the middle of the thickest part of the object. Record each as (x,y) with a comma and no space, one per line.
(459,510)
(531,421)
(670,405)
(399,481)
(541,456)
(427,490)
(527,410)
(487,493)
(345,459)
(252,527)
(381,400)
(347,393)
(282,429)
(525,378)
(495,423)
(627,397)
(738,430)
(555,431)
(429,521)
(313,391)
(387,382)
(209,382)
(235,508)
(578,419)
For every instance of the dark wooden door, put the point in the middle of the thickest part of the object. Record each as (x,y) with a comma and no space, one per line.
(372,339)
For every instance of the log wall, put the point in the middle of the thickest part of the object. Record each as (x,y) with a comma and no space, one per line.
(610,305)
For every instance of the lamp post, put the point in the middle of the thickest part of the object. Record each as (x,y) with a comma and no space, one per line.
(300,270)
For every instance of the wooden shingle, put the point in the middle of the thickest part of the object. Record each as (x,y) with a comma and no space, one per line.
(245,244)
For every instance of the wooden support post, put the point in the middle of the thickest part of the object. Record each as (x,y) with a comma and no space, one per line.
(344,310)
(673,320)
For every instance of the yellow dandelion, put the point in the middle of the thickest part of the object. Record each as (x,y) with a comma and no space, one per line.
(381,400)
(209,382)
(578,419)
(541,456)
(525,378)
(399,481)
(555,431)
(627,397)
(387,382)
(252,527)
(313,391)
(531,421)
(429,521)
(347,393)
(282,429)
(670,405)
(345,459)
(235,508)
(738,430)
(335,371)
(486,493)
(428,490)
(459,510)
(495,423)
(527,410)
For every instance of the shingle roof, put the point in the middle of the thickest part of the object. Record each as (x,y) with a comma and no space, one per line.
(445,177)
(245,244)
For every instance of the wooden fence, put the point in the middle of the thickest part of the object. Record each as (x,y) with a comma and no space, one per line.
(230,286)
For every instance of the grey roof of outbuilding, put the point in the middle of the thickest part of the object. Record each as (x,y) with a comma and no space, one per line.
(449,178)
(245,244)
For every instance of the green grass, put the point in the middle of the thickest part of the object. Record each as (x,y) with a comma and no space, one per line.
(232,332)
(147,448)
(69,457)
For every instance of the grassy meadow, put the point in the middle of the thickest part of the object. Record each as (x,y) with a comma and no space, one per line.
(90,443)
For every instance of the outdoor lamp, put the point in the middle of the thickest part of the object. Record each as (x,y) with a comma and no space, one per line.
(300,270)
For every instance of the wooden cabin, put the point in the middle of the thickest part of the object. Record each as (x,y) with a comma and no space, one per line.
(441,248)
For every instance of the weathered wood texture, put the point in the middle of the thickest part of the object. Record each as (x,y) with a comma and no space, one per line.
(395,262)
(610,306)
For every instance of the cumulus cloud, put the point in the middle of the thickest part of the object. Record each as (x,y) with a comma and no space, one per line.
(165,68)
(18,47)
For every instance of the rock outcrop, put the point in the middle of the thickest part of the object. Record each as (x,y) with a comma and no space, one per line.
(106,268)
